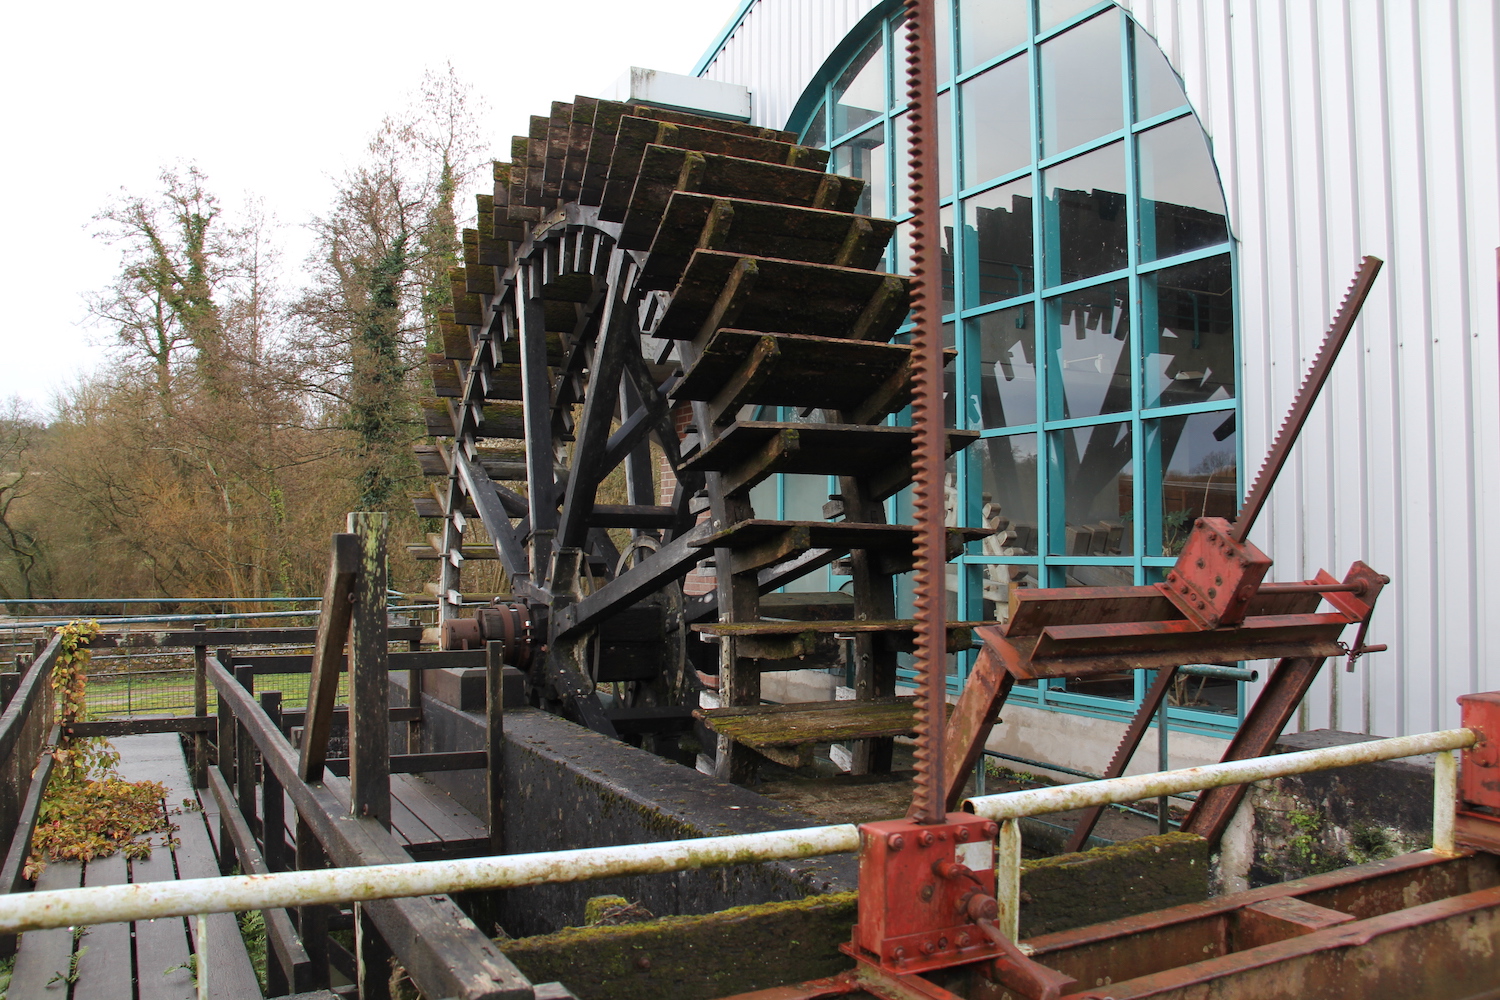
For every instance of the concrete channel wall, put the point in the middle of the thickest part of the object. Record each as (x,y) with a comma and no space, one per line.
(1308,823)
(567,787)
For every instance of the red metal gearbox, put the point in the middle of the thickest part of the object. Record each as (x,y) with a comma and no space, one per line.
(922,889)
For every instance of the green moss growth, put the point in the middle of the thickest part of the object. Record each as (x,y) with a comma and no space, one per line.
(722,954)
(713,955)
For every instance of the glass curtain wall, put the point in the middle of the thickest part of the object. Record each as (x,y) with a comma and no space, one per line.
(1089,286)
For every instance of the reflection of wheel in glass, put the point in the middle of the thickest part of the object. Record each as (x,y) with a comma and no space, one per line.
(640,280)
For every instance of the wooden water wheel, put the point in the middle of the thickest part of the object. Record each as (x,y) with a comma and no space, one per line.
(649,289)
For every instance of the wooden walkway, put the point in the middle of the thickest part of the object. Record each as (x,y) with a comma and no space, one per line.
(425,820)
(146,960)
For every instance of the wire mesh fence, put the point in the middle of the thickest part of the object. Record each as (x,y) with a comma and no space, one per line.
(156,685)
(128,681)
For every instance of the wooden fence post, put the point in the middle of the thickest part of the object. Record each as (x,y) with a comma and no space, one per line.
(226,758)
(414,695)
(244,767)
(200,709)
(322,694)
(370,727)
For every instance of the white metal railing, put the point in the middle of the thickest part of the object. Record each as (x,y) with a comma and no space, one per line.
(195,897)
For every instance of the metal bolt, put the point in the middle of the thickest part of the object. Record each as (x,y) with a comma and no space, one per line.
(964,940)
(899,954)
(1201,563)
(924,839)
(928,947)
(961,835)
(926,893)
(896,842)
(992,829)
(942,944)
(1212,593)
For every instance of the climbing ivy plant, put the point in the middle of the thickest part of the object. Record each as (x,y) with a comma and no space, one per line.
(89,811)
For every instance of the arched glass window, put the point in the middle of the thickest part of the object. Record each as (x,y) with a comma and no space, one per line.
(1089,287)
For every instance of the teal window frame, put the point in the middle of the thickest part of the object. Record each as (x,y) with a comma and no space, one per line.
(1147,476)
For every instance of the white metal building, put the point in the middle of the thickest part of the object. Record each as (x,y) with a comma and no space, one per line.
(1093,261)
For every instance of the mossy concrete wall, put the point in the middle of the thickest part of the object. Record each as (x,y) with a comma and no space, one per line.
(1106,883)
(1303,824)
(759,947)
(567,787)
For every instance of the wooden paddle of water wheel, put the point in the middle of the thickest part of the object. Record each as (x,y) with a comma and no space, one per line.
(650,277)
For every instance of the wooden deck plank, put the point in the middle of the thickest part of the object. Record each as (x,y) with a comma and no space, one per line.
(45,954)
(230,974)
(105,964)
(438,809)
(161,946)
(406,826)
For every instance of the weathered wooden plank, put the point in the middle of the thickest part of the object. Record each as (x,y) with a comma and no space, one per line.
(44,955)
(825,372)
(580,134)
(301,663)
(215,638)
(535,185)
(808,605)
(230,975)
(468,552)
(665,169)
(812,722)
(445,380)
(328,655)
(429,506)
(763,228)
(632,516)
(637,132)
(369,675)
(104,960)
(448,820)
(406,825)
(142,726)
(292,717)
(161,946)
(789,297)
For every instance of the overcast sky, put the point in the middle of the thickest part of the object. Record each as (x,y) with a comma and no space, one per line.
(272,100)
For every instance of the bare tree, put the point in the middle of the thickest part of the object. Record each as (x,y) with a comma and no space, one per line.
(20,435)
(381,275)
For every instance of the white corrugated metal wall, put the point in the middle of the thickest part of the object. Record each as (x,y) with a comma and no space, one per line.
(779,46)
(1340,128)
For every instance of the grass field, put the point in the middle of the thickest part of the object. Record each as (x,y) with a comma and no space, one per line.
(121,694)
